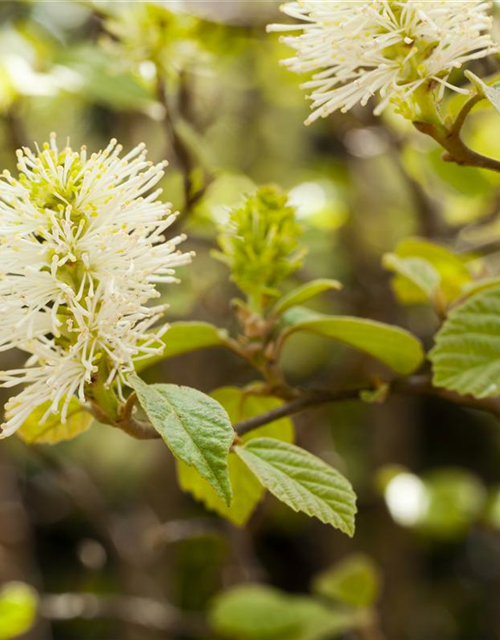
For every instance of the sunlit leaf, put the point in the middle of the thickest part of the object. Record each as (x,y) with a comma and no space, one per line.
(466,356)
(493,95)
(254,612)
(302,481)
(304,293)
(259,612)
(183,337)
(90,66)
(455,500)
(195,427)
(423,267)
(482,284)
(18,604)
(354,581)
(418,271)
(53,430)
(247,490)
(490,91)
(469,182)
(395,347)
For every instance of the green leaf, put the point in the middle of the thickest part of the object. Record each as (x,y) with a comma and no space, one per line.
(320,622)
(53,430)
(304,293)
(247,490)
(18,604)
(259,612)
(254,612)
(354,581)
(466,356)
(468,184)
(455,501)
(302,481)
(297,315)
(183,337)
(490,92)
(395,347)
(418,271)
(413,281)
(194,426)
(481,284)
(119,91)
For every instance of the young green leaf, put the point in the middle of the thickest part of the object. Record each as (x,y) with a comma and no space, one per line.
(455,501)
(302,481)
(304,293)
(254,612)
(259,612)
(247,490)
(466,356)
(297,315)
(395,347)
(354,581)
(417,270)
(183,337)
(490,92)
(415,283)
(18,604)
(321,622)
(195,427)
(481,284)
(53,430)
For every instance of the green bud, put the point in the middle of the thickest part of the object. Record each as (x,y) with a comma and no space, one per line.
(260,244)
(149,32)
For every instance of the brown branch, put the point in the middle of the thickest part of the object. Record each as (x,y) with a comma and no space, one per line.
(419,385)
(136,428)
(464,113)
(456,149)
(126,422)
(450,139)
(182,152)
(305,399)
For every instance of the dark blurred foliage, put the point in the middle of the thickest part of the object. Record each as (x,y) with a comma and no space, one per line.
(103,514)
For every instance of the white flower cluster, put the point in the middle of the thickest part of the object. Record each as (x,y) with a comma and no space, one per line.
(360,48)
(82,249)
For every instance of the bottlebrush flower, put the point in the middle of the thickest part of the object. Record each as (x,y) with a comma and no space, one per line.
(358,49)
(82,250)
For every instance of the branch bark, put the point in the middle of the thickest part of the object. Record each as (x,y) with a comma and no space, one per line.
(451,141)
(182,152)
(414,386)
(418,385)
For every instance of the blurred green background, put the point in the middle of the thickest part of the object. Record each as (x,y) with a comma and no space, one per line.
(200,83)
